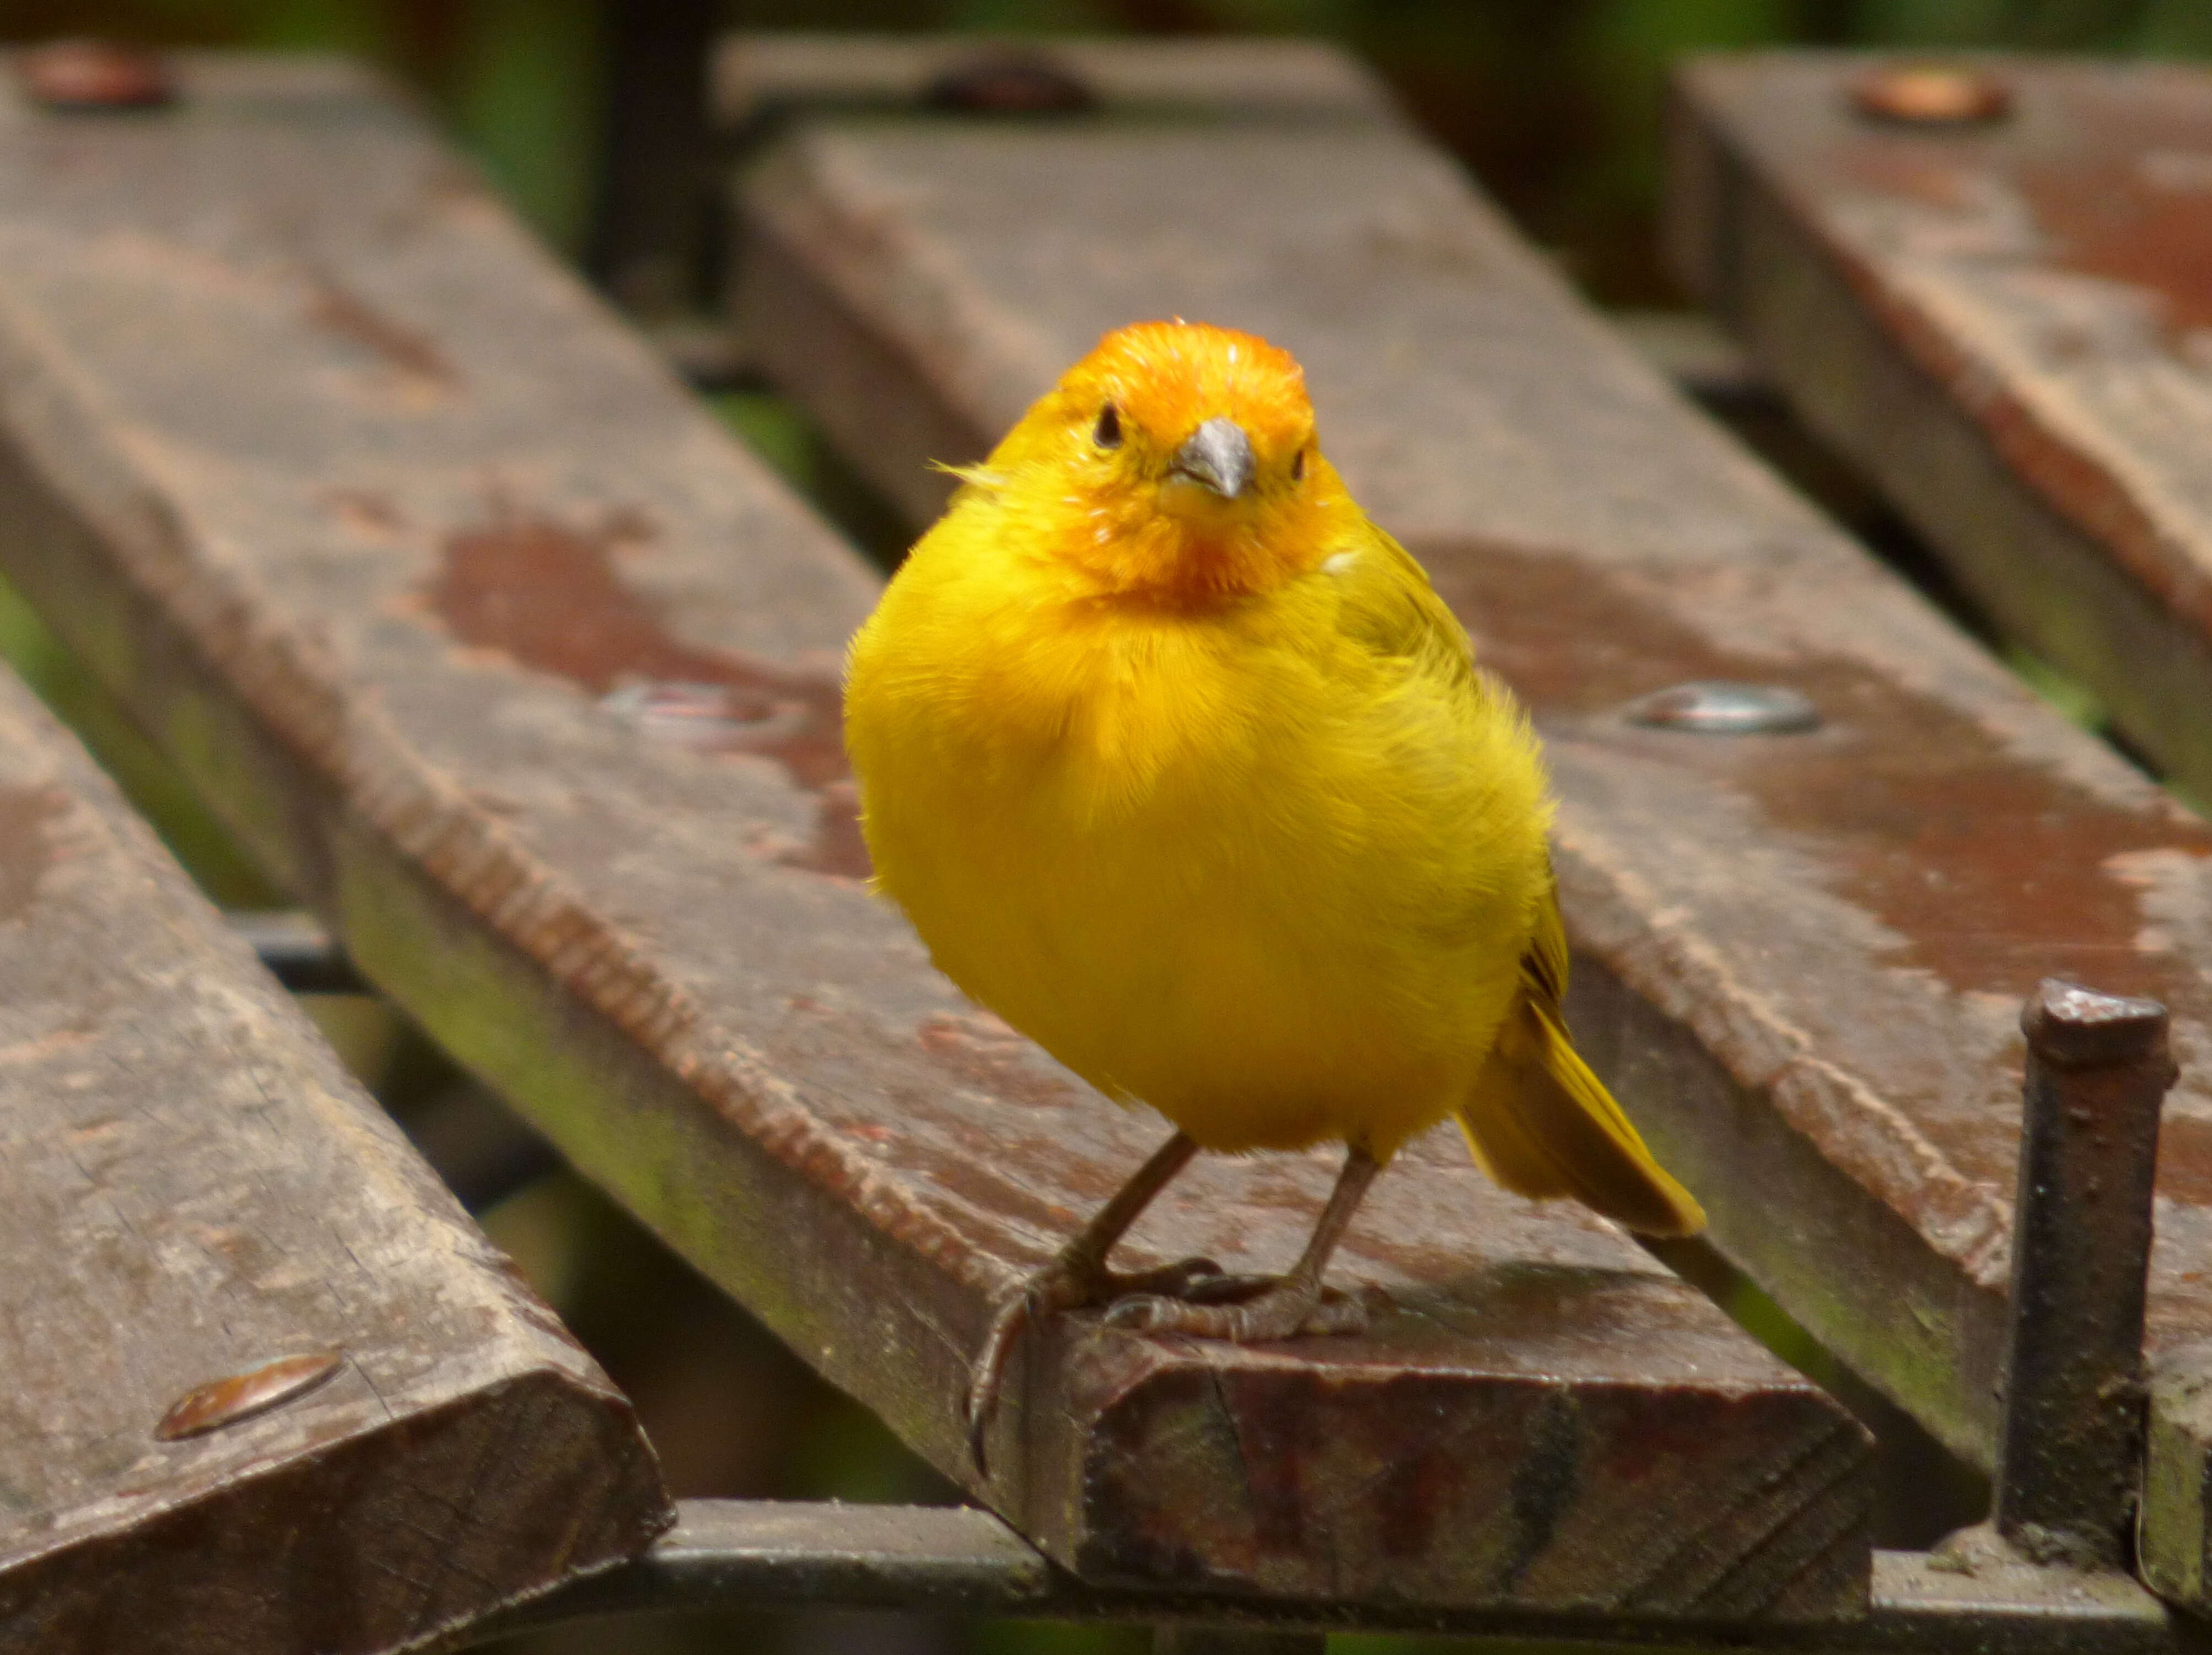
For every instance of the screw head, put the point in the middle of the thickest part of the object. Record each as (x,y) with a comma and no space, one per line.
(1007,80)
(226,1401)
(1717,707)
(1931,95)
(710,717)
(94,74)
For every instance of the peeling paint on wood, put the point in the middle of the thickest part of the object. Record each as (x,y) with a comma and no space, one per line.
(2010,334)
(190,1182)
(2007,328)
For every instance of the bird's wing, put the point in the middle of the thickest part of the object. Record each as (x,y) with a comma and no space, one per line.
(1388,606)
(1542,1125)
(1537,1119)
(1544,968)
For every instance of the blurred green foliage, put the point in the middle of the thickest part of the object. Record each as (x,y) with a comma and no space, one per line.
(148,779)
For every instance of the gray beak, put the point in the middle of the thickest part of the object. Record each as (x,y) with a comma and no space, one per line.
(1219,455)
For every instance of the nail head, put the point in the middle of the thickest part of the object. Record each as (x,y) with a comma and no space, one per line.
(710,718)
(1008,82)
(94,74)
(239,1396)
(1932,94)
(1714,707)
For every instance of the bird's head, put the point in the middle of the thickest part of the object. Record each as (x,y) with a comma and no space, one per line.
(1177,460)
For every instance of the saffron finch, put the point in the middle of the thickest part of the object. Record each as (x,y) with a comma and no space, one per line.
(1178,764)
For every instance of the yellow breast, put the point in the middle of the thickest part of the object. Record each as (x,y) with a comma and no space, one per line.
(1269,867)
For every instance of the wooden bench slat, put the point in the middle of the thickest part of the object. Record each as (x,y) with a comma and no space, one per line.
(758,79)
(1799,958)
(192,1188)
(2003,323)
(1999,322)
(388,531)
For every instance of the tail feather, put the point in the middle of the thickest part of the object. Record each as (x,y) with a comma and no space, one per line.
(1543,1125)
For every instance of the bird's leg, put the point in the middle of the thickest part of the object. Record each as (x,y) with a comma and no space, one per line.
(1278,1308)
(1078,1275)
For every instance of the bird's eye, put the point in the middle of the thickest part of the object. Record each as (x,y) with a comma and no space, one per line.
(1108,432)
(1298,466)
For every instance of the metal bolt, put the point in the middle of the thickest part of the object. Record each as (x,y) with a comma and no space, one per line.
(1712,707)
(1932,94)
(94,74)
(1008,80)
(710,717)
(225,1401)
(2069,1459)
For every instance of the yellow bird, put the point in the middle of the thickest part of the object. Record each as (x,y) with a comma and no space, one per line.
(1178,764)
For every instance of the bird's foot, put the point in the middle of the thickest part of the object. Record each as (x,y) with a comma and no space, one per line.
(1245,1310)
(1069,1282)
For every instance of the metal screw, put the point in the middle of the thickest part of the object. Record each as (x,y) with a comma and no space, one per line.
(710,717)
(1932,94)
(1712,707)
(94,74)
(2097,1070)
(225,1401)
(1008,81)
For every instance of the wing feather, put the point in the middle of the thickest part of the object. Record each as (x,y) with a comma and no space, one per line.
(1543,1125)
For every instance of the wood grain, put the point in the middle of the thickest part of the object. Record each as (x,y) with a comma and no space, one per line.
(759,80)
(193,1190)
(2004,326)
(525,676)
(1799,958)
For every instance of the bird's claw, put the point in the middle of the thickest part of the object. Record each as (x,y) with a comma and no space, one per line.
(1248,1311)
(1064,1284)
(1219,1289)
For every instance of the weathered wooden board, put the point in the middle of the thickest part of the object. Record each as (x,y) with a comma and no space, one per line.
(2007,323)
(1800,957)
(757,80)
(191,1189)
(477,627)
(763,81)
(2004,322)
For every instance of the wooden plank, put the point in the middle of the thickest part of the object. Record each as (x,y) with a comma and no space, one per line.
(763,81)
(192,1189)
(757,80)
(1800,959)
(408,552)
(2005,324)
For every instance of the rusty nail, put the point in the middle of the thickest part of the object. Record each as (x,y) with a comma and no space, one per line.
(94,74)
(1008,81)
(2071,1445)
(1931,95)
(225,1401)
(1712,707)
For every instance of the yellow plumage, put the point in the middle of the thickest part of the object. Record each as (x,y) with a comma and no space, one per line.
(1177,763)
